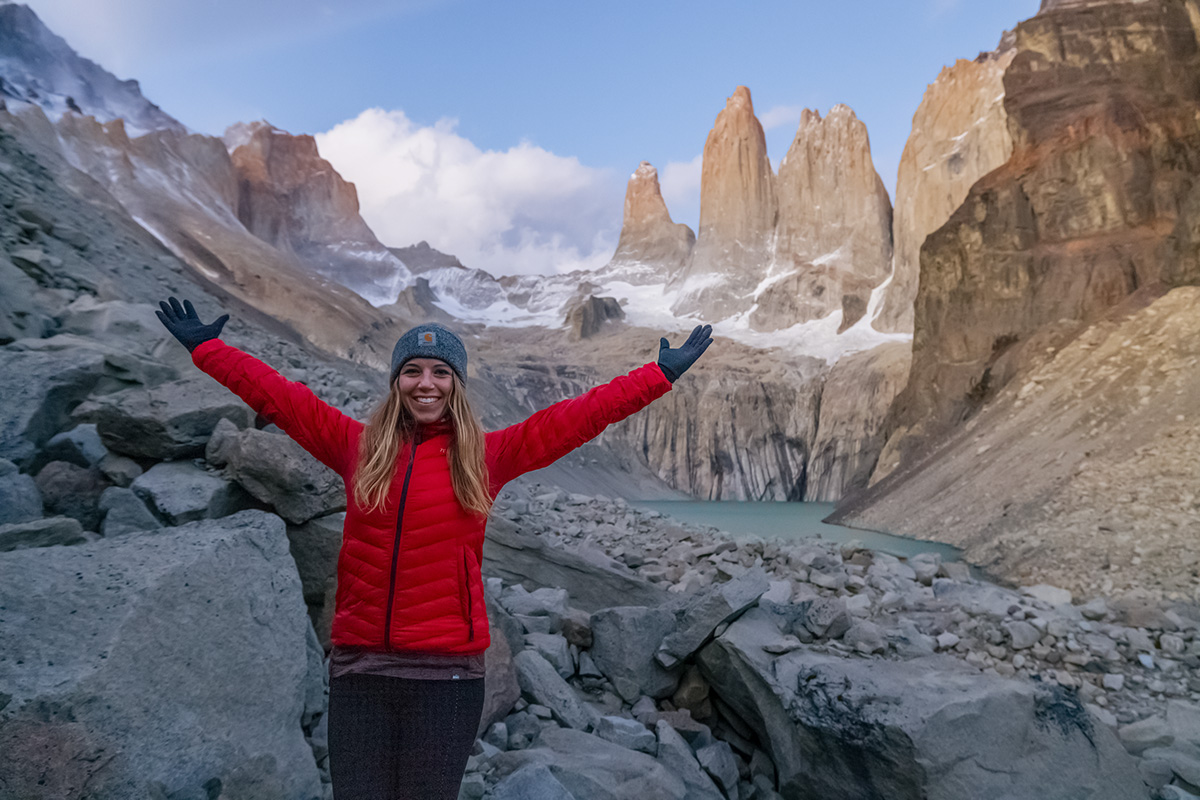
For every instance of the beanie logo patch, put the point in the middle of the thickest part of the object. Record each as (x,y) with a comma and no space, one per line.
(428,338)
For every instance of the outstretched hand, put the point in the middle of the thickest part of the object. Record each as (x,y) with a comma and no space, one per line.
(185,325)
(675,362)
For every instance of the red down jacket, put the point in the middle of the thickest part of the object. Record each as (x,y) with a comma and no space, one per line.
(409,575)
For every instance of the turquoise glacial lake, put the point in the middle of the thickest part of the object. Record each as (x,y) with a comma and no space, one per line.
(789,522)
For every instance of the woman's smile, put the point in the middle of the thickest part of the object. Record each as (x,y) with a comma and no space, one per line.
(425,386)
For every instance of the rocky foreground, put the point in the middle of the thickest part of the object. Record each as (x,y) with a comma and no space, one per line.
(158,555)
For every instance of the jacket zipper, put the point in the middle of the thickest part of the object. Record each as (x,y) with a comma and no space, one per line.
(470,606)
(387,620)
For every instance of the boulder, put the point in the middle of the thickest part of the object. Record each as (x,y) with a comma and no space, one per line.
(117,637)
(71,491)
(42,380)
(677,757)
(828,617)
(627,733)
(589,767)
(540,682)
(624,642)
(717,760)
(315,546)
(927,728)
(519,557)
(20,500)
(173,420)
(124,512)
(22,310)
(275,469)
(501,690)
(180,491)
(554,648)
(531,782)
(715,606)
(41,533)
(545,602)
(80,446)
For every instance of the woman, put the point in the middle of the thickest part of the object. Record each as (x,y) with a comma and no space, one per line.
(410,626)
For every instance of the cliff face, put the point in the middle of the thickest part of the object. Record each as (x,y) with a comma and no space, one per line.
(292,199)
(833,241)
(1097,200)
(647,233)
(737,213)
(959,134)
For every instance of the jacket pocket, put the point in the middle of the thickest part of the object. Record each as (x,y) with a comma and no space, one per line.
(464,594)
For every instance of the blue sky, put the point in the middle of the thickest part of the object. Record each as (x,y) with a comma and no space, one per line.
(510,128)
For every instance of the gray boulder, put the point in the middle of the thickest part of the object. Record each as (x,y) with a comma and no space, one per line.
(124,512)
(544,602)
(20,500)
(71,491)
(501,689)
(22,307)
(593,769)
(544,686)
(715,606)
(828,617)
(624,641)
(275,469)
(170,421)
(80,446)
(717,760)
(117,638)
(42,380)
(554,648)
(315,546)
(531,782)
(677,757)
(627,733)
(930,728)
(47,532)
(180,491)
(595,582)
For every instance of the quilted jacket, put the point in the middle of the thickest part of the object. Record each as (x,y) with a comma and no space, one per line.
(409,574)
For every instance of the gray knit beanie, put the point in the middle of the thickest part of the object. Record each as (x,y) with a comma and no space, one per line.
(430,341)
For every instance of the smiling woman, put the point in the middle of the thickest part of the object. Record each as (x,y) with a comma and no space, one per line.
(410,625)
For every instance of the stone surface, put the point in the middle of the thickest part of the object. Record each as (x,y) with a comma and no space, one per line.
(539,680)
(46,532)
(587,766)
(118,637)
(929,727)
(124,512)
(80,446)
(554,648)
(173,420)
(71,491)
(591,315)
(315,546)
(627,733)
(531,782)
(275,469)
(624,642)
(20,500)
(715,606)
(180,491)
(676,755)
(717,761)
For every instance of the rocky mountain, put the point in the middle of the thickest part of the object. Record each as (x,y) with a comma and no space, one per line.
(39,68)
(292,199)
(833,238)
(959,134)
(648,236)
(738,212)
(1095,210)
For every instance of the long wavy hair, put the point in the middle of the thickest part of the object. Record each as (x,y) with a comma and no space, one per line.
(391,425)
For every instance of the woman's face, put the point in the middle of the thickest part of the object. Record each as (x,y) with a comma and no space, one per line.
(425,386)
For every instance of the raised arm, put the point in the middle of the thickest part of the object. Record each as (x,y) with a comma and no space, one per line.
(319,428)
(553,432)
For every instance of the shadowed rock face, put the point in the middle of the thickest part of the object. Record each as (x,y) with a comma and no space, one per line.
(737,211)
(291,198)
(959,134)
(833,242)
(647,232)
(1097,200)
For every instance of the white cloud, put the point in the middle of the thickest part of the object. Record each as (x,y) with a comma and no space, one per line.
(779,116)
(680,185)
(523,210)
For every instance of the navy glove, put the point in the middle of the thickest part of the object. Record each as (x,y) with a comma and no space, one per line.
(185,325)
(674,363)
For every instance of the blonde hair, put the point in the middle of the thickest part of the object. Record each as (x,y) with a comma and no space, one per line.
(391,425)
